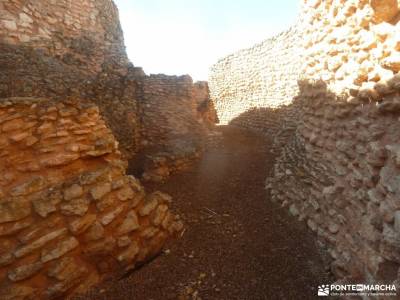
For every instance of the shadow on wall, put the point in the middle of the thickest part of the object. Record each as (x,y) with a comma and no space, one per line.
(340,172)
(30,72)
(338,169)
(276,123)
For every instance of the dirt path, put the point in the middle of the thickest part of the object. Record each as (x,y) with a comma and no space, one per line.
(237,243)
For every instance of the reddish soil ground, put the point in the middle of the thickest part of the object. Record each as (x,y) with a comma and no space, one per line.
(237,244)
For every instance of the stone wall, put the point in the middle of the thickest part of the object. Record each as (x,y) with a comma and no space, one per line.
(340,171)
(86,34)
(175,115)
(76,50)
(69,49)
(69,216)
(252,87)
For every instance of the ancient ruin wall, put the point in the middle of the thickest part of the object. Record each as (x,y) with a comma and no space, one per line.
(75,49)
(340,172)
(250,88)
(175,115)
(83,33)
(69,216)
(69,49)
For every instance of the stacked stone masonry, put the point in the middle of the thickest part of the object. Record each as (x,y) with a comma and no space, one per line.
(75,49)
(69,216)
(175,116)
(339,171)
(252,87)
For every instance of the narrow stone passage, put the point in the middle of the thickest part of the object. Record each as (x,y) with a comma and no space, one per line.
(237,243)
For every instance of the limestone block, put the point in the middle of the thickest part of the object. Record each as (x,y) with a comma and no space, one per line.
(383,30)
(384,10)
(15,227)
(58,159)
(74,191)
(110,216)
(14,209)
(78,206)
(95,232)
(24,271)
(99,248)
(60,249)
(125,194)
(34,184)
(150,204)
(46,203)
(129,224)
(130,253)
(80,225)
(392,62)
(29,248)
(100,191)
(10,25)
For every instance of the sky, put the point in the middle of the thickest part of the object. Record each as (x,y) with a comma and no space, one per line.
(178,37)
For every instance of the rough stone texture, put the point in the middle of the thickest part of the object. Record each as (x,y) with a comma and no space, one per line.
(338,170)
(54,240)
(76,49)
(252,88)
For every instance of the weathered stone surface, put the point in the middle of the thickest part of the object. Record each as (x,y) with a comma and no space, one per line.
(109,217)
(129,254)
(149,232)
(24,271)
(63,269)
(123,241)
(6,259)
(125,193)
(107,202)
(24,250)
(159,214)
(79,197)
(80,225)
(385,10)
(9,229)
(61,248)
(73,207)
(100,175)
(59,155)
(72,279)
(74,191)
(149,205)
(12,125)
(100,191)
(58,159)
(46,203)
(11,292)
(95,232)
(332,114)
(34,184)
(14,209)
(102,247)
(129,224)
